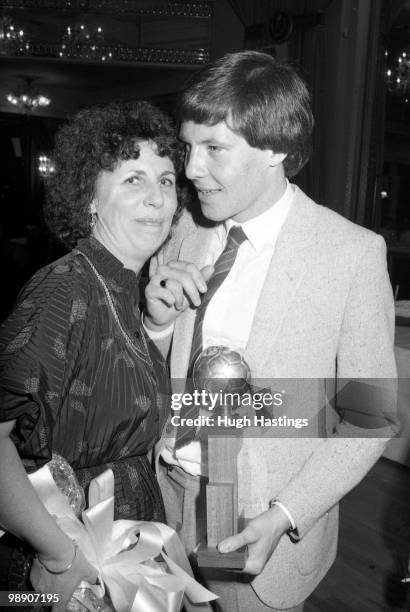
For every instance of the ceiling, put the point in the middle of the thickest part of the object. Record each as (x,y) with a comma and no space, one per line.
(72,85)
(75,83)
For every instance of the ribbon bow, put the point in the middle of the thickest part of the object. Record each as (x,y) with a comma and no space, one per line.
(142,564)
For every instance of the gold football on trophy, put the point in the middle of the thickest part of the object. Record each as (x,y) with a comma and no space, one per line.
(219,368)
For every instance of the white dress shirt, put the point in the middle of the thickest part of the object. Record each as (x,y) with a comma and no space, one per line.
(229,315)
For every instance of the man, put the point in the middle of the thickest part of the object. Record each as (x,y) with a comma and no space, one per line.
(306,296)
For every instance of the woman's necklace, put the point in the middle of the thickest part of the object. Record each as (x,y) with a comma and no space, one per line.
(145,357)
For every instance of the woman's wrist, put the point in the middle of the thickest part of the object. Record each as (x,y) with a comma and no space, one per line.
(152,326)
(157,332)
(58,564)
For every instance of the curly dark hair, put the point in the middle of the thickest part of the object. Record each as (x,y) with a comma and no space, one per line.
(96,139)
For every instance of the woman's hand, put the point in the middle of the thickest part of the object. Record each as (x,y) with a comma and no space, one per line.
(24,515)
(65,582)
(171,289)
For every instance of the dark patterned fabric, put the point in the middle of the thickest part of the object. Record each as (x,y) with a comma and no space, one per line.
(135,495)
(76,387)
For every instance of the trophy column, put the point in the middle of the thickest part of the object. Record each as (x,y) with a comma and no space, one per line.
(221,369)
(221,504)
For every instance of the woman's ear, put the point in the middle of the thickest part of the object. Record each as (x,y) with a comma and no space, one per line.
(93,214)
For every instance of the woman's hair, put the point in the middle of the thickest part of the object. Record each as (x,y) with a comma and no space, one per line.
(97,139)
(263,100)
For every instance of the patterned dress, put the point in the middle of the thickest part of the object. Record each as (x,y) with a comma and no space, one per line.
(82,379)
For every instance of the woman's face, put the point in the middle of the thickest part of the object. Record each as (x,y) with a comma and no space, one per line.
(134,206)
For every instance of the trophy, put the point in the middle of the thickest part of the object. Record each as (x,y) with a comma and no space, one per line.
(223,371)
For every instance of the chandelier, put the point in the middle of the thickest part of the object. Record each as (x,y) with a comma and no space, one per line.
(27,98)
(82,41)
(11,38)
(28,102)
(45,166)
(398,76)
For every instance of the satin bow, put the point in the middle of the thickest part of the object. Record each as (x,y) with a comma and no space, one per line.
(142,564)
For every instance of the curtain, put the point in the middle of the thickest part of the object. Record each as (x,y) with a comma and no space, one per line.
(305,50)
(340,60)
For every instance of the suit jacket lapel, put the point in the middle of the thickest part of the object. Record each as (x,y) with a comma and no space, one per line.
(286,272)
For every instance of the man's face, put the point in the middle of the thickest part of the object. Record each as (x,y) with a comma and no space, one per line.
(233,180)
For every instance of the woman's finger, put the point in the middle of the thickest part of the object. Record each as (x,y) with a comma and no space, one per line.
(177,291)
(184,278)
(153,265)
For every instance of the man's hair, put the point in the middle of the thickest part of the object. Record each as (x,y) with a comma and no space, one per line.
(267,102)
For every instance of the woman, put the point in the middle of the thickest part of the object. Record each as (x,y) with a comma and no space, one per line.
(79,377)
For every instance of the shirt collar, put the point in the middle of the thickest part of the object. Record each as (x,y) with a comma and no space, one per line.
(264,228)
(108,265)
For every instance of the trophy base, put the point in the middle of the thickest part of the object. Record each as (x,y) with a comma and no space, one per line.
(208,556)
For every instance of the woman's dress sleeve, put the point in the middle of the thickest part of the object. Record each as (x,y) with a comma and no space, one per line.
(40,343)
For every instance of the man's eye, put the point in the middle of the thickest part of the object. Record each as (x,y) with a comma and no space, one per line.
(214,148)
(133,180)
(168,182)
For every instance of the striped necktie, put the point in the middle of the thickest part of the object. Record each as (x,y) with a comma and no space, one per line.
(223,265)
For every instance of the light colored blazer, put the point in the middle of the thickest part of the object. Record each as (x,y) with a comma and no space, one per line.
(325,310)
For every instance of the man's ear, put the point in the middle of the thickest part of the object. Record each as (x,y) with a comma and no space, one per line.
(276,159)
